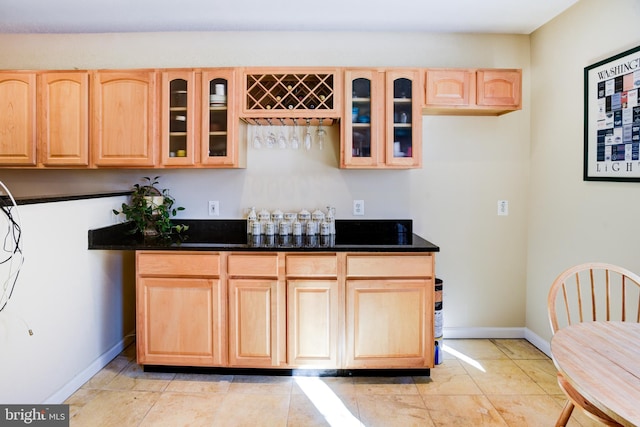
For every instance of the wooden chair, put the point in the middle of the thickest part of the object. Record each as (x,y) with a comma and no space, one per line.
(589,292)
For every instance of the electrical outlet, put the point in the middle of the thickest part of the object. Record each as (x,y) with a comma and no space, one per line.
(503,207)
(358,207)
(214,208)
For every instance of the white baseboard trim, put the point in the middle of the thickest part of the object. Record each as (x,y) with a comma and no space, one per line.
(526,333)
(483,332)
(535,339)
(76,382)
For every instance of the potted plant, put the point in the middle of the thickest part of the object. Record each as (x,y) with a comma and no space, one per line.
(151,209)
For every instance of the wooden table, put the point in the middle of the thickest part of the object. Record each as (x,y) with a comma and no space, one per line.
(601,360)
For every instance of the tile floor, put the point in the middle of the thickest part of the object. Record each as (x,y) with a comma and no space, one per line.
(497,382)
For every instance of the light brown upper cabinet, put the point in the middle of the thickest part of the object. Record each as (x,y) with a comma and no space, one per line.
(199,111)
(382,123)
(220,140)
(472,91)
(124,118)
(17,119)
(63,119)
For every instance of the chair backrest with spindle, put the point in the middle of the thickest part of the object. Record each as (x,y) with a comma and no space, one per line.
(594,291)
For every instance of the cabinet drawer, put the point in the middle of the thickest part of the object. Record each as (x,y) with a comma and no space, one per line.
(253,265)
(312,265)
(389,266)
(178,264)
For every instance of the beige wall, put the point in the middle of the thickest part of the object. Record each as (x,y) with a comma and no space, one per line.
(469,162)
(573,221)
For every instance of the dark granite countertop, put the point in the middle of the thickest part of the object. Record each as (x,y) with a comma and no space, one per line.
(231,235)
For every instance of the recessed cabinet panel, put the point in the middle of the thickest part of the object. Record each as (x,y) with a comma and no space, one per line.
(18,119)
(312,306)
(387,323)
(63,119)
(179,319)
(500,88)
(448,87)
(124,118)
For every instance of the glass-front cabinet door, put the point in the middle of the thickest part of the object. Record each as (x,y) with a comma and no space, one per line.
(403,118)
(219,118)
(178,118)
(362,120)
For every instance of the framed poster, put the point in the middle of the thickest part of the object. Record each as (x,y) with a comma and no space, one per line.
(612,118)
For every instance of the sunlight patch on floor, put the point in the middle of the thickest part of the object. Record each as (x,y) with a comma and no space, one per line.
(463,357)
(327,403)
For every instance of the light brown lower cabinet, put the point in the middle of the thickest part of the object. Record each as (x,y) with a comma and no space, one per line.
(285,310)
(180,309)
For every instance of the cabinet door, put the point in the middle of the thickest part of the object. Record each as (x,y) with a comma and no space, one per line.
(219,141)
(178,113)
(500,88)
(256,323)
(18,119)
(179,321)
(313,308)
(63,118)
(404,119)
(389,323)
(363,130)
(448,87)
(124,118)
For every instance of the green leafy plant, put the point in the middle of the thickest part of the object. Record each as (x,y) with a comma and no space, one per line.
(151,209)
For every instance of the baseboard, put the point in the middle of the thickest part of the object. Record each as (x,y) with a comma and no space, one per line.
(535,339)
(78,381)
(460,333)
(483,333)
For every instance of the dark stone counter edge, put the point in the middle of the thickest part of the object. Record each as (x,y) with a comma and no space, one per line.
(230,235)
(32,200)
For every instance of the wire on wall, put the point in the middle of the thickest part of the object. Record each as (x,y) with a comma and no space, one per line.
(11,255)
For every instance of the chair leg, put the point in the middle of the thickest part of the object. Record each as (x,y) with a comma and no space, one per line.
(565,414)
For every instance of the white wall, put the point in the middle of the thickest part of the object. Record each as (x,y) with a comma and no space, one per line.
(572,221)
(79,303)
(469,162)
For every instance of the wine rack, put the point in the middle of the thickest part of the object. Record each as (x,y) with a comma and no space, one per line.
(291,95)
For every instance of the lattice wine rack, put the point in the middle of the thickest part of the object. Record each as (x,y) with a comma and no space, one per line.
(287,95)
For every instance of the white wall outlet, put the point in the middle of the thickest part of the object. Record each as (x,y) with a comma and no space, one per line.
(503,207)
(214,208)
(358,207)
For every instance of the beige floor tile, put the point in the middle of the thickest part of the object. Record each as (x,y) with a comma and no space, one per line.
(261,384)
(503,377)
(543,372)
(476,349)
(183,409)
(462,411)
(108,373)
(385,385)
(79,399)
(114,408)
(133,377)
(339,385)
(449,378)
(200,383)
(393,410)
(526,410)
(323,408)
(252,410)
(519,349)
